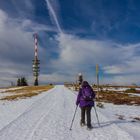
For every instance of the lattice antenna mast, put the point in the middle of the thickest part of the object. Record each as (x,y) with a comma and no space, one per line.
(36,61)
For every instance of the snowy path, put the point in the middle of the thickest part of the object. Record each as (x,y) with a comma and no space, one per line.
(49,118)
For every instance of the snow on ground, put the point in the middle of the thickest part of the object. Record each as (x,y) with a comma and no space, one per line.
(2,95)
(10,110)
(137,88)
(134,94)
(4,92)
(6,89)
(49,115)
(127,123)
(115,89)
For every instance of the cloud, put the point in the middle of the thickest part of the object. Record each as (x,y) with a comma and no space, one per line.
(122,79)
(63,55)
(81,55)
(113,69)
(24,8)
(78,51)
(129,63)
(28,24)
(52,12)
(17,49)
(55,78)
(74,54)
(3,18)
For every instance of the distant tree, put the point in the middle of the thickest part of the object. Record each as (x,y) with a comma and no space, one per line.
(22,82)
(18,82)
(25,82)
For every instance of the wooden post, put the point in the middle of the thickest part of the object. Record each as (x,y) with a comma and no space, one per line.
(97,78)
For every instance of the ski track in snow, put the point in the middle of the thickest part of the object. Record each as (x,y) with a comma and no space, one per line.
(49,118)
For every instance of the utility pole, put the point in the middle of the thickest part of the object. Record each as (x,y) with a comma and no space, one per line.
(97,79)
(36,61)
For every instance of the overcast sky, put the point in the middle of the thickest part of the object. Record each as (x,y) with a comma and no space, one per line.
(74,36)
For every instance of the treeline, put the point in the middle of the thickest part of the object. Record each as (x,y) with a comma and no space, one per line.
(22,81)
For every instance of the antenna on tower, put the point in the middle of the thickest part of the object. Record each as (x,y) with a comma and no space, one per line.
(36,61)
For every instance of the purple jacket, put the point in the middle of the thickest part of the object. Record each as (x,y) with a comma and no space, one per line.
(81,101)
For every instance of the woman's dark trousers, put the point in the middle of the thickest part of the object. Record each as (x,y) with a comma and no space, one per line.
(87,111)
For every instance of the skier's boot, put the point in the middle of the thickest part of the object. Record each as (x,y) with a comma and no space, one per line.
(82,124)
(89,127)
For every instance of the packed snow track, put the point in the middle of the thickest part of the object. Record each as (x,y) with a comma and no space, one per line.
(49,118)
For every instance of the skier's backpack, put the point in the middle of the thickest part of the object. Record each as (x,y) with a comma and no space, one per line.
(87,94)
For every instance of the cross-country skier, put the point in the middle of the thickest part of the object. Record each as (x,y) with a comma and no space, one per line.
(85,100)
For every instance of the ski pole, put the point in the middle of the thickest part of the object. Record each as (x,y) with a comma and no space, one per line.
(73,117)
(96,115)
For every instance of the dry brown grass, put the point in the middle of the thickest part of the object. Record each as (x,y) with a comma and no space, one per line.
(137,118)
(20,96)
(30,88)
(118,98)
(25,92)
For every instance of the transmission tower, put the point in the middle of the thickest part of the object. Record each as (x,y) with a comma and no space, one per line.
(36,61)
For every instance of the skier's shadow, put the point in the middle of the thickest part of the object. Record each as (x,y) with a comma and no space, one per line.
(108,123)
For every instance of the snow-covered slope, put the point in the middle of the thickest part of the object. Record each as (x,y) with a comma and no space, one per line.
(49,118)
